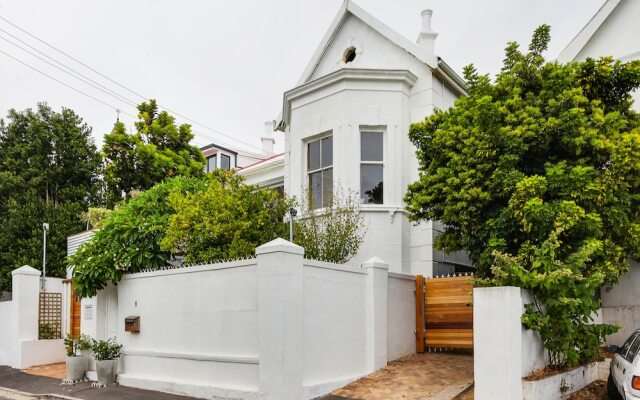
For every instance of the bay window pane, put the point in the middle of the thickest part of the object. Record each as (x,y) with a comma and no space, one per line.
(313,155)
(371,144)
(371,187)
(327,151)
(315,190)
(327,187)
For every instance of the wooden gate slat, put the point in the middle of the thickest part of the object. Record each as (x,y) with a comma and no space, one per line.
(420,314)
(444,309)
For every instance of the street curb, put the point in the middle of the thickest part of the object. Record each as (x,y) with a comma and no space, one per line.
(453,392)
(18,395)
(467,389)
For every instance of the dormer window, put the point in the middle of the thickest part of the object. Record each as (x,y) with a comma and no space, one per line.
(212,163)
(349,55)
(225,162)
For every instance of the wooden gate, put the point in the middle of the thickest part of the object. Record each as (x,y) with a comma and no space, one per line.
(74,313)
(444,313)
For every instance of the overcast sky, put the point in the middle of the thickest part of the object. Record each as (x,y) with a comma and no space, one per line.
(226,64)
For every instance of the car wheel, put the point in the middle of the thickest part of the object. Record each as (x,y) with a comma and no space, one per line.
(612,391)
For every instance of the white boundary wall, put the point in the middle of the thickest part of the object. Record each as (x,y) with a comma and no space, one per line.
(504,351)
(19,344)
(621,305)
(198,329)
(275,327)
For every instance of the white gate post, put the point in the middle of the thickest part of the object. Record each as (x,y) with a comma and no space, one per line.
(280,305)
(25,301)
(377,282)
(497,343)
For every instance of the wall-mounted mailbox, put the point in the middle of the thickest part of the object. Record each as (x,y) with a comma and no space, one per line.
(132,324)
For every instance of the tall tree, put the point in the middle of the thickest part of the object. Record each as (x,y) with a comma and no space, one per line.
(49,172)
(537,176)
(159,149)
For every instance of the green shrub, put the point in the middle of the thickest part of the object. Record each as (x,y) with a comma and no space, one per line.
(227,219)
(47,331)
(106,349)
(333,234)
(77,343)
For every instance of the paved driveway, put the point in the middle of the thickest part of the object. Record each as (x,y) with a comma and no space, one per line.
(434,376)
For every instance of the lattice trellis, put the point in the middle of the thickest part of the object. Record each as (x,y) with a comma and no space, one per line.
(50,316)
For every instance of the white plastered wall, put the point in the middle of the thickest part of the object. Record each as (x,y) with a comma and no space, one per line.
(346,107)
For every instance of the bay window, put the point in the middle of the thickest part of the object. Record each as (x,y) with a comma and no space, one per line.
(320,172)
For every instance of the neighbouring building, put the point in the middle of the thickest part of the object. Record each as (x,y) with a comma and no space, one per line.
(220,157)
(612,31)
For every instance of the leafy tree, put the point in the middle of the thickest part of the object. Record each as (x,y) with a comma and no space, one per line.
(537,176)
(94,216)
(336,233)
(159,149)
(129,238)
(228,219)
(49,172)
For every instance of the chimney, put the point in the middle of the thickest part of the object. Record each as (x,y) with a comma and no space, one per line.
(267,140)
(427,37)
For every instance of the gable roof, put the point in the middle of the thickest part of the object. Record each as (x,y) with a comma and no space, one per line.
(578,43)
(350,8)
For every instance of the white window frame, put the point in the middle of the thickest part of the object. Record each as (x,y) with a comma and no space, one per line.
(306,143)
(383,132)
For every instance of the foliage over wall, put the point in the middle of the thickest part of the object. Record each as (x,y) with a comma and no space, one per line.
(537,176)
(49,172)
(129,238)
(227,219)
(181,220)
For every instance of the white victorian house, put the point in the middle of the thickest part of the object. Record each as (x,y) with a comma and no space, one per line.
(346,123)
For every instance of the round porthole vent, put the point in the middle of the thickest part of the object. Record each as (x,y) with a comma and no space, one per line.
(349,55)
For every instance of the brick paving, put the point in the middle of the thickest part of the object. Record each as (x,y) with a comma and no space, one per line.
(435,376)
(58,370)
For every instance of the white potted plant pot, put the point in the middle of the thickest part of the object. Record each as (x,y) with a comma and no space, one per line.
(77,364)
(76,367)
(106,352)
(106,371)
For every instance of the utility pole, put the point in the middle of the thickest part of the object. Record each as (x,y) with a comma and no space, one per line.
(292,214)
(45,228)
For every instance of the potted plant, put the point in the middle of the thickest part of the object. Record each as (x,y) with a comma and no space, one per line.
(77,364)
(106,353)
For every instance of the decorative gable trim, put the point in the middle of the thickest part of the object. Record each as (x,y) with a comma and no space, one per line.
(350,8)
